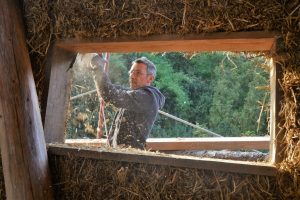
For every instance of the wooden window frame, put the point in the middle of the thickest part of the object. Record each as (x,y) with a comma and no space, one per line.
(64,51)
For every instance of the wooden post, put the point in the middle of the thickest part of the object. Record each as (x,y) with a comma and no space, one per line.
(276,146)
(58,95)
(23,149)
(45,86)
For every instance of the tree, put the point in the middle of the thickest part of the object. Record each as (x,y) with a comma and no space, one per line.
(233,93)
(254,119)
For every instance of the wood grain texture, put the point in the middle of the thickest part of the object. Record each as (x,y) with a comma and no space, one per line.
(237,41)
(23,148)
(276,146)
(230,143)
(58,96)
(169,160)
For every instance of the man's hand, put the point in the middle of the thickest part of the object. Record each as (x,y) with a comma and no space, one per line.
(98,62)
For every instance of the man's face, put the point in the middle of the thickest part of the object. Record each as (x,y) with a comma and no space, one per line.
(138,76)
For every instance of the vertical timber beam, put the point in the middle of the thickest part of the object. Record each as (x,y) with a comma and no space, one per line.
(45,89)
(58,95)
(23,148)
(276,146)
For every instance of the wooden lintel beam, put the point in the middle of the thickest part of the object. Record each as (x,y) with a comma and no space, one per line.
(165,144)
(237,41)
(177,161)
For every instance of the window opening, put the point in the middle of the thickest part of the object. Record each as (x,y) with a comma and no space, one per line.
(208,94)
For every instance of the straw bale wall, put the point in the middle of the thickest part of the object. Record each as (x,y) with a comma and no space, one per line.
(47,21)
(82,178)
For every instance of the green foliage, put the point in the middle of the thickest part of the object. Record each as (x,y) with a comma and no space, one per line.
(234,109)
(256,107)
(118,69)
(83,112)
(170,82)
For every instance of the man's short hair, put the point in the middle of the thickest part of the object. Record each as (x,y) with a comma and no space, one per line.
(151,68)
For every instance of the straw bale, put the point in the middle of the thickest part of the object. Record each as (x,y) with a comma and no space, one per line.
(290,167)
(111,19)
(39,33)
(47,21)
(85,178)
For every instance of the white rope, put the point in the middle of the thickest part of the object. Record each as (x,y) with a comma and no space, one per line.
(188,123)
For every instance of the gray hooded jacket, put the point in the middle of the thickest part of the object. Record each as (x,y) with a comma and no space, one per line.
(137,111)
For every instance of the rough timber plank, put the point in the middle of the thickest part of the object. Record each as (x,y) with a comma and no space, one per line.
(208,143)
(23,148)
(237,41)
(233,143)
(59,95)
(276,146)
(177,161)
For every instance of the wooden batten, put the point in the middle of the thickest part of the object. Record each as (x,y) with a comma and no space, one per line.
(23,148)
(237,41)
(220,143)
(276,145)
(167,144)
(58,95)
(176,161)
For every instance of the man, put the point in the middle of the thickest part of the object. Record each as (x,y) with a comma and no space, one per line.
(138,106)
